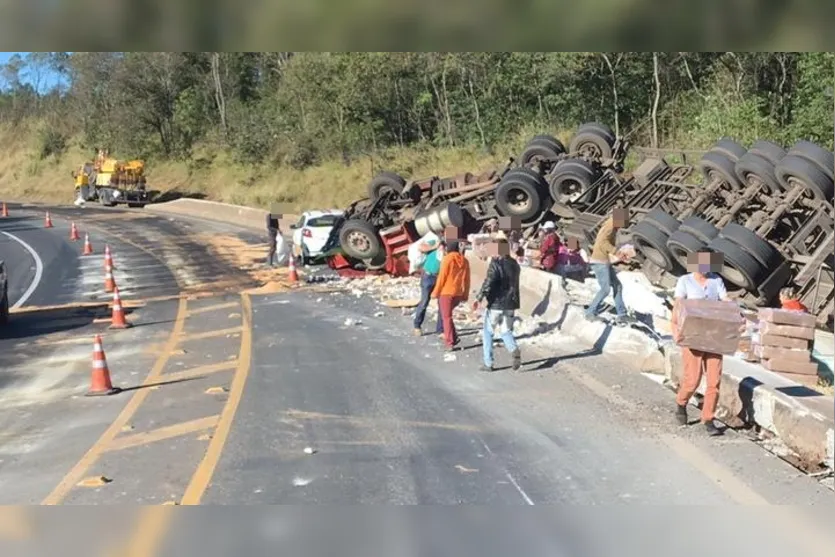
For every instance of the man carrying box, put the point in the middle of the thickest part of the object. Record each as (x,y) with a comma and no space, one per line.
(702,283)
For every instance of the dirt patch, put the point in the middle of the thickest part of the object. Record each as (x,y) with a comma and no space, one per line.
(272,287)
(249,258)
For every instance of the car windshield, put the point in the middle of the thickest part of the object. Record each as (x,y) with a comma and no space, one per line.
(322,221)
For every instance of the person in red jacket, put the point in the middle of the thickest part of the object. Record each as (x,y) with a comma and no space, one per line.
(788,300)
(550,247)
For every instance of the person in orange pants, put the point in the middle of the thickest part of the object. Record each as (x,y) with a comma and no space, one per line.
(451,288)
(701,283)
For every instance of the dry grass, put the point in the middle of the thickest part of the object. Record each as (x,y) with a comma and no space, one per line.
(212,173)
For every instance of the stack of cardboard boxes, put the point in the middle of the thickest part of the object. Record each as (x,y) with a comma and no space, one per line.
(783,344)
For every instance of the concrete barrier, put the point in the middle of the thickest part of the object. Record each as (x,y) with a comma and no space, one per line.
(246,217)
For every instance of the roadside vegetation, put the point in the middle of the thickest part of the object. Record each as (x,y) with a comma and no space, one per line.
(310,129)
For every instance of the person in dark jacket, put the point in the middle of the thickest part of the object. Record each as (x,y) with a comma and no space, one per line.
(501,292)
(272,234)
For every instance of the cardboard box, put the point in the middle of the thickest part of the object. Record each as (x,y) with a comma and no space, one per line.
(790,366)
(791,331)
(710,326)
(785,342)
(789,354)
(787,317)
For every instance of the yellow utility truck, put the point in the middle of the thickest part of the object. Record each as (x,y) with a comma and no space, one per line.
(110,181)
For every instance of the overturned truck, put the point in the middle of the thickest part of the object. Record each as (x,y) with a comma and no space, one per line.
(767,210)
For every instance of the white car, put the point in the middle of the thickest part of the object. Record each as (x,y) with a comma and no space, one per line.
(311,233)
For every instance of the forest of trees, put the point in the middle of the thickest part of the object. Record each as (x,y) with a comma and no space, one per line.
(296,109)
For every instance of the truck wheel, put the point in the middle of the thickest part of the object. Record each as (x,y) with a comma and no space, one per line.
(383,182)
(4,308)
(823,159)
(719,166)
(570,179)
(730,148)
(739,267)
(359,240)
(700,228)
(663,221)
(652,243)
(755,246)
(768,150)
(755,168)
(592,143)
(602,129)
(520,194)
(797,170)
(683,243)
(541,147)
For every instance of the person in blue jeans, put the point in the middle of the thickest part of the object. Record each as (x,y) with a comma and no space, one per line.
(429,276)
(604,255)
(501,291)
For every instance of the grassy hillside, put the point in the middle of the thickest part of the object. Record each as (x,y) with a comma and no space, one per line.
(211,173)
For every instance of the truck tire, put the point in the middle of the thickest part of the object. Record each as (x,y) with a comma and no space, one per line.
(823,159)
(570,179)
(651,241)
(739,267)
(755,246)
(769,151)
(360,240)
(681,244)
(730,148)
(543,147)
(520,194)
(700,228)
(4,308)
(716,165)
(798,170)
(603,129)
(593,143)
(756,167)
(385,181)
(662,221)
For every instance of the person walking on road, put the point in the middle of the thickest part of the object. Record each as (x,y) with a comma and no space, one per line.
(430,268)
(700,283)
(501,291)
(603,257)
(272,236)
(451,289)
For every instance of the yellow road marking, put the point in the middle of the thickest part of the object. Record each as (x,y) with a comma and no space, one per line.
(200,371)
(210,334)
(162,433)
(203,475)
(77,472)
(213,307)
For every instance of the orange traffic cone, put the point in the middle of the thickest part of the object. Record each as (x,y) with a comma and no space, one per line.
(5,210)
(88,247)
(117,320)
(100,378)
(108,258)
(74,233)
(109,283)
(293,276)
(47,223)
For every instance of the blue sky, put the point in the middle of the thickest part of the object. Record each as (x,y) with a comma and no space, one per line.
(49,81)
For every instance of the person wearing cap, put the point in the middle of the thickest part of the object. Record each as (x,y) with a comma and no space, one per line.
(550,247)
(452,288)
(431,266)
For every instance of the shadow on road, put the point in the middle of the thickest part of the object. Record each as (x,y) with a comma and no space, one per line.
(35,322)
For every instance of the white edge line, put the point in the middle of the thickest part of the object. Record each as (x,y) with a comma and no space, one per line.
(38,269)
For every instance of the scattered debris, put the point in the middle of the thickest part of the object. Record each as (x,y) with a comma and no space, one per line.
(450,357)
(300,482)
(234,315)
(127,427)
(94,481)
(379,314)
(464,469)
(309,450)
(352,322)
(216,390)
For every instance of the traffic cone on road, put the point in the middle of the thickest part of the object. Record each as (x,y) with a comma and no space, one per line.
(108,258)
(5,210)
(100,378)
(109,283)
(293,276)
(47,223)
(74,237)
(88,247)
(117,319)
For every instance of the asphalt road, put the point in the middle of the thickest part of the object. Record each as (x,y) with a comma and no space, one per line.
(224,392)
